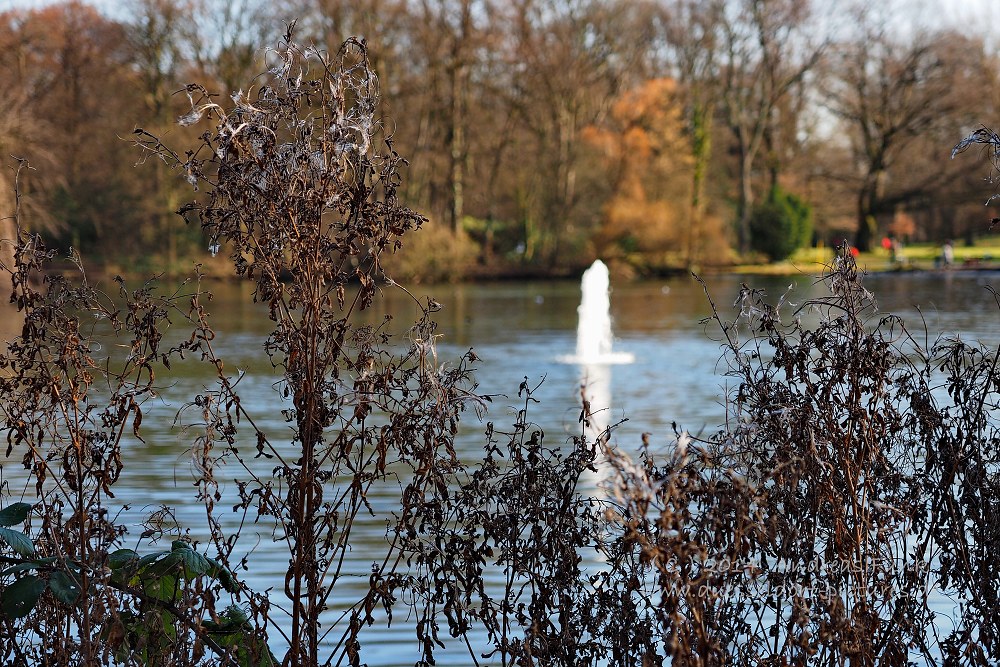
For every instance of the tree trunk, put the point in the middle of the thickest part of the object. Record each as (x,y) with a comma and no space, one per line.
(701,122)
(10,319)
(457,146)
(746,199)
(868,200)
(458,72)
(8,235)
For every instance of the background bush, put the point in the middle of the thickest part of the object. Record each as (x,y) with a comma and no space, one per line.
(781,225)
(437,254)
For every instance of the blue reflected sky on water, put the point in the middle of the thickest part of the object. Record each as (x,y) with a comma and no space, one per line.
(518,330)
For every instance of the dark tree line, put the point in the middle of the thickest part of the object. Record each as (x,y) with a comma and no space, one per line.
(541,133)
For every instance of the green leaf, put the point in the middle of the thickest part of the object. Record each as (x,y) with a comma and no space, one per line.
(221,574)
(64,586)
(195,564)
(164,587)
(225,578)
(234,632)
(28,565)
(123,563)
(20,567)
(149,558)
(14,514)
(20,597)
(122,558)
(246,647)
(165,565)
(235,615)
(18,541)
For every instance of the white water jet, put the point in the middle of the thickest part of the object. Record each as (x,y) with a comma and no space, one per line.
(594,339)
(594,353)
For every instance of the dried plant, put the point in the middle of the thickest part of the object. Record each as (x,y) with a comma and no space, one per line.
(989,142)
(73,593)
(854,481)
(503,546)
(304,200)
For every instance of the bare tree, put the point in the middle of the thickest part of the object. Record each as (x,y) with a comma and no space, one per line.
(891,89)
(63,69)
(691,30)
(769,46)
(23,133)
(157,35)
(225,39)
(460,33)
(569,61)
(448,37)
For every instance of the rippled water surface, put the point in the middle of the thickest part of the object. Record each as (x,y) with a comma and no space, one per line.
(518,330)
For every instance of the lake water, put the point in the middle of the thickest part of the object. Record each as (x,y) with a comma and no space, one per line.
(518,330)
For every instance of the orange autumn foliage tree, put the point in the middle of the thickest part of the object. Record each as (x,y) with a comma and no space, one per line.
(648,161)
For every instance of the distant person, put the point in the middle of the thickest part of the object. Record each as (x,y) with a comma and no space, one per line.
(948,254)
(896,255)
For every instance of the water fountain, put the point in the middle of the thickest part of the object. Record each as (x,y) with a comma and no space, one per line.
(594,341)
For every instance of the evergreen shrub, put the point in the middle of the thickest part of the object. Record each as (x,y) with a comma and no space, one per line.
(780,225)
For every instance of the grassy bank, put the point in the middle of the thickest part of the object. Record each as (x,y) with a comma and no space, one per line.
(436,257)
(918,257)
